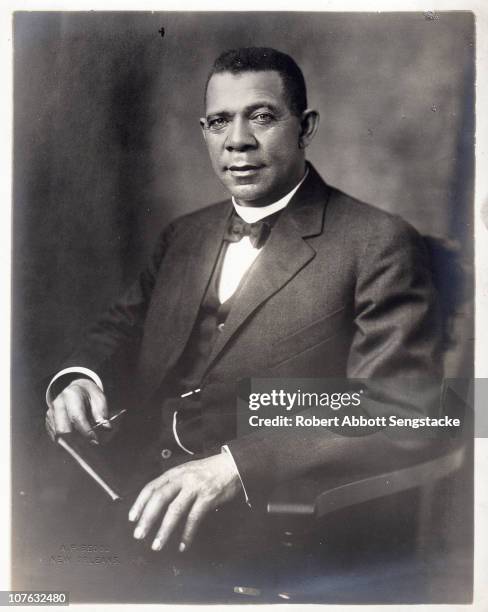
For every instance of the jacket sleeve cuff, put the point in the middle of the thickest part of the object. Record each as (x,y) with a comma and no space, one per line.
(226,451)
(68,373)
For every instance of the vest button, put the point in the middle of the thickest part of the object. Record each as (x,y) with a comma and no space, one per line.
(220,327)
(166,453)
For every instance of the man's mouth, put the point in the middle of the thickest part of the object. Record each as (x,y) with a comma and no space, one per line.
(243,169)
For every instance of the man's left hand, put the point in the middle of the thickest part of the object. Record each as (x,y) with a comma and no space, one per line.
(184,493)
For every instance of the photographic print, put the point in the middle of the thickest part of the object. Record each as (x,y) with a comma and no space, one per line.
(243,296)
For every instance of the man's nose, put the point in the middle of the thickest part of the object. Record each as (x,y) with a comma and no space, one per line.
(240,136)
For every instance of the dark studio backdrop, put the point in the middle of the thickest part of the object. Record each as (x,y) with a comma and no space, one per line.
(108,149)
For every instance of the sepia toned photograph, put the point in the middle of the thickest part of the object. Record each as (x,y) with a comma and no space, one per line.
(243,307)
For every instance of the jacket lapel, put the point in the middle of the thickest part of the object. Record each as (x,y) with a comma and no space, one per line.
(284,255)
(174,313)
(204,244)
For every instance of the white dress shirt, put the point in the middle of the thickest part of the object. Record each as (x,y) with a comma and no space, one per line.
(240,255)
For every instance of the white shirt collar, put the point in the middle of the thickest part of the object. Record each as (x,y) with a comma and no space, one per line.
(251,214)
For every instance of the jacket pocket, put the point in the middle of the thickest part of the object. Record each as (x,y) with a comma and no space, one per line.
(307,337)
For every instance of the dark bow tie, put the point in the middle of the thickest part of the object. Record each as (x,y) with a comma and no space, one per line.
(237,228)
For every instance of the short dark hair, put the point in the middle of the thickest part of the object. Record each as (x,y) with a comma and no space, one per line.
(256,59)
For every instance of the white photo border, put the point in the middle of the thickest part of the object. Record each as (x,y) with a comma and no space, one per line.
(480,9)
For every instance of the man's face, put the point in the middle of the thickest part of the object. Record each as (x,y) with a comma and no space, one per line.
(252,137)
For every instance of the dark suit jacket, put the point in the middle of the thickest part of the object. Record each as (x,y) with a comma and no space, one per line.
(340,289)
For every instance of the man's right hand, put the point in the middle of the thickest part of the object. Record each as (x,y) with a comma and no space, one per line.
(79,406)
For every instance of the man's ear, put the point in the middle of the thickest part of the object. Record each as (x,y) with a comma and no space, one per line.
(202,125)
(309,124)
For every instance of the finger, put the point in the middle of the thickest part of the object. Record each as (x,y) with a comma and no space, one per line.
(62,423)
(143,498)
(156,504)
(50,429)
(50,418)
(75,402)
(194,518)
(176,511)
(99,407)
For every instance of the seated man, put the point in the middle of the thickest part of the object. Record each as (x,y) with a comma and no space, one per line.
(288,278)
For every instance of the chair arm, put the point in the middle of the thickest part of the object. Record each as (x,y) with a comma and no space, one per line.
(312,497)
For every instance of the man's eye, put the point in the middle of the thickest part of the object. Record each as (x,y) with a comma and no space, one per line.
(217,124)
(263,118)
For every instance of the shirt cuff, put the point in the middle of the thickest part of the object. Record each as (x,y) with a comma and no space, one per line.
(74,370)
(226,451)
